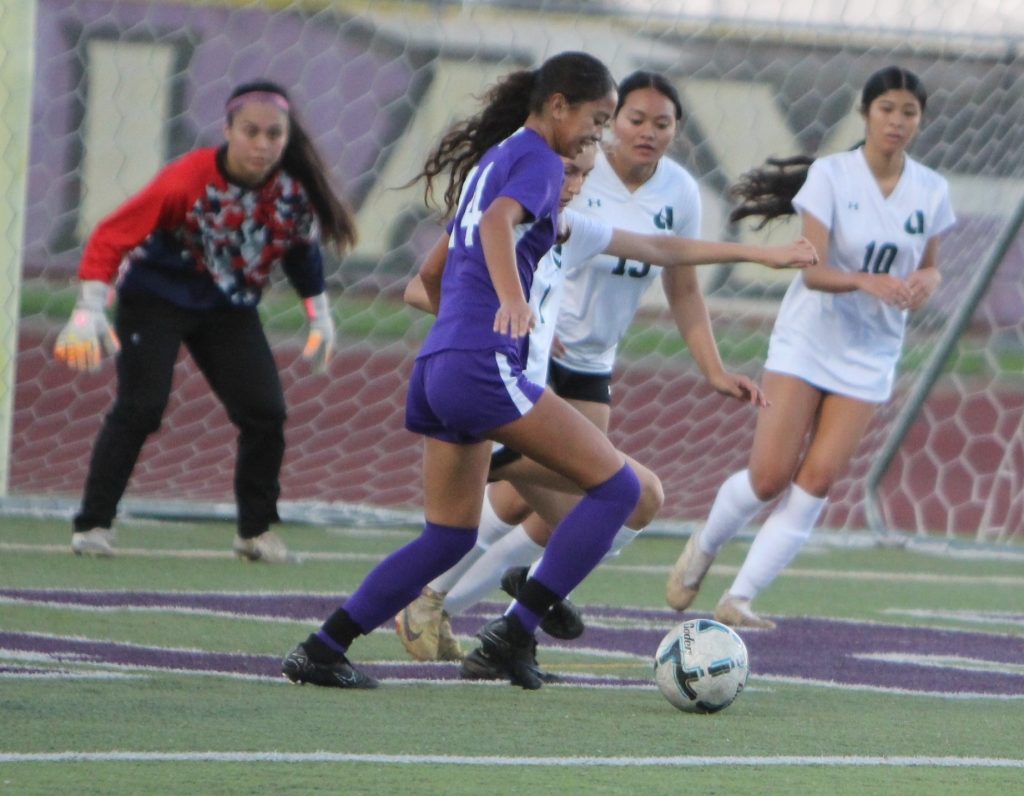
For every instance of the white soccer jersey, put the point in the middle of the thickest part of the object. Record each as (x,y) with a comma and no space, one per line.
(601,296)
(849,343)
(587,238)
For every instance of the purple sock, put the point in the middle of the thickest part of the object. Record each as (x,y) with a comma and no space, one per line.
(583,537)
(398,579)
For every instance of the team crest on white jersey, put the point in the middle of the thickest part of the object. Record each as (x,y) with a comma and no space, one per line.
(914,225)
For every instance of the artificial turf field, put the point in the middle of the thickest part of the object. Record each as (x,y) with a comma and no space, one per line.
(892,671)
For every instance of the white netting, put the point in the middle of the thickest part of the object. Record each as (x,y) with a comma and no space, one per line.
(122,87)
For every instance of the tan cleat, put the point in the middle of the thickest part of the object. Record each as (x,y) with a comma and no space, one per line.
(736,612)
(687,574)
(448,647)
(419,625)
(267,547)
(97,542)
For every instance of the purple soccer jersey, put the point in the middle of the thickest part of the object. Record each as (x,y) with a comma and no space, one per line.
(468,378)
(524,168)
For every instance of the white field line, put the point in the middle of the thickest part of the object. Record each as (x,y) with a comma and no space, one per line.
(190,553)
(838,574)
(942,662)
(636,569)
(973,617)
(490,760)
(177,610)
(877,689)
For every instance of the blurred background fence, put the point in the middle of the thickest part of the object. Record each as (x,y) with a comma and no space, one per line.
(99,94)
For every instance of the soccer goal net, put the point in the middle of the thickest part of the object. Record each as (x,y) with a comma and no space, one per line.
(113,89)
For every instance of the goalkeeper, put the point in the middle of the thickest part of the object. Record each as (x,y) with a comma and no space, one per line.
(195,249)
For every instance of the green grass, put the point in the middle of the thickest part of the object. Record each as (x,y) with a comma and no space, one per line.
(172,712)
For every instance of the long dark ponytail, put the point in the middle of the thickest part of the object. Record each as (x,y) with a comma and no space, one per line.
(302,161)
(768,192)
(578,77)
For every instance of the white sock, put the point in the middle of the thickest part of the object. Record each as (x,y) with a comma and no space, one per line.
(784,533)
(734,507)
(515,549)
(622,539)
(492,528)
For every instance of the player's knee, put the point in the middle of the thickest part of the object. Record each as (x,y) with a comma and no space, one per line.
(768,485)
(139,418)
(818,479)
(267,420)
(622,490)
(652,498)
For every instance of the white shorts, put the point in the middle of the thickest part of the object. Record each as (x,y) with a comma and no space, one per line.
(842,372)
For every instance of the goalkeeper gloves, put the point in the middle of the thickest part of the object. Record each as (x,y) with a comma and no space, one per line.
(320,343)
(82,342)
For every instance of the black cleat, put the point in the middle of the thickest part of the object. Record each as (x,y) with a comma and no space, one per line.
(563,619)
(477,666)
(506,651)
(300,669)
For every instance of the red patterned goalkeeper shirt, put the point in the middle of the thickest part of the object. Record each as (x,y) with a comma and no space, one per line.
(200,241)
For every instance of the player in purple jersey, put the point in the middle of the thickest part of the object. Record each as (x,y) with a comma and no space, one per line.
(424,627)
(467,385)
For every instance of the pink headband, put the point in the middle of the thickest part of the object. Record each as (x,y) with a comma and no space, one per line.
(270,97)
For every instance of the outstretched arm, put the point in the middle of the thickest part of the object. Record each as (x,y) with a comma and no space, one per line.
(672,250)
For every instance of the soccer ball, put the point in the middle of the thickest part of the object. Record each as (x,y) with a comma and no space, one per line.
(701,666)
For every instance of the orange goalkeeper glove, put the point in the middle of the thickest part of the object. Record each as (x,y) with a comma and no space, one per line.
(320,343)
(83,341)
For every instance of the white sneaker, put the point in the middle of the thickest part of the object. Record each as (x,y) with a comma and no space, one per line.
(97,542)
(267,547)
(687,574)
(736,612)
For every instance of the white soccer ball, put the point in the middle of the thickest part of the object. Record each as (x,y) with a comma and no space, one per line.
(701,666)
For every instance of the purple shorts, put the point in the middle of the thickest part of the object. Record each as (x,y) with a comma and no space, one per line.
(458,396)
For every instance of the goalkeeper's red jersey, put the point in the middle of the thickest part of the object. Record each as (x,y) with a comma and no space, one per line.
(200,241)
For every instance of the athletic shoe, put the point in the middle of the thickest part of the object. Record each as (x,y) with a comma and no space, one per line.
(419,625)
(736,612)
(545,676)
(687,574)
(477,666)
(448,647)
(298,668)
(563,619)
(505,652)
(96,542)
(267,547)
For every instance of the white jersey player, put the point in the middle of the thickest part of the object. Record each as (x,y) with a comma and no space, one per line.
(602,294)
(586,238)
(849,343)
(879,215)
